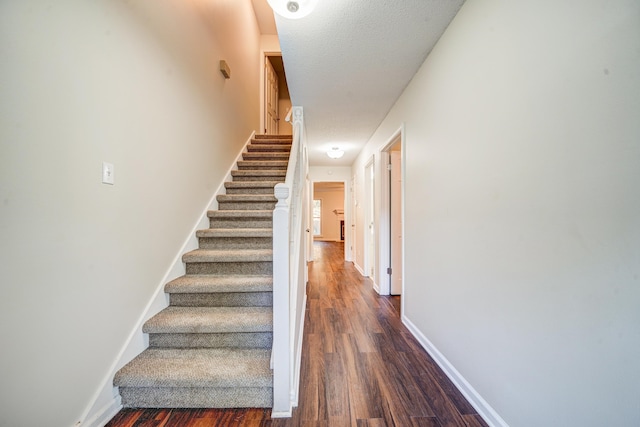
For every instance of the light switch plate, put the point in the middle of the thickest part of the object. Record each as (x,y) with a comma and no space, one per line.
(108,173)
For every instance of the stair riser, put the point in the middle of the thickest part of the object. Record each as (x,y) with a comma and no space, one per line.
(210,348)
(196,397)
(273,136)
(223,340)
(244,206)
(248,190)
(273,163)
(240,223)
(228,198)
(245,178)
(235,242)
(262,167)
(256,268)
(223,299)
(271,141)
(265,156)
(268,148)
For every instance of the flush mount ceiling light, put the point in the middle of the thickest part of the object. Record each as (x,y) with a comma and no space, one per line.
(292,9)
(335,153)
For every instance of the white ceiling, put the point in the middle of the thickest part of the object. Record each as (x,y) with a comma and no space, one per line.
(349,61)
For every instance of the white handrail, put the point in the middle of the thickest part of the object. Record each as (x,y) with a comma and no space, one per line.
(288,273)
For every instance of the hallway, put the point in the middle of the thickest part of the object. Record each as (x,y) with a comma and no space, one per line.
(361,367)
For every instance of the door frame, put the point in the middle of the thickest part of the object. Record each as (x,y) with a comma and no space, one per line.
(264,54)
(370,258)
(385,208)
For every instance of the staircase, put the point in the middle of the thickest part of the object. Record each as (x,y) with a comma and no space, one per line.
(211,347)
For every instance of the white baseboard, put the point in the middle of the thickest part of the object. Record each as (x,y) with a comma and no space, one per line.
(359,269)
(487,413)
(102,416)
(137,342)
(376,288)
(282,414)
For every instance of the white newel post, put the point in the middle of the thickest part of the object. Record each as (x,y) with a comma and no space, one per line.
(281,304)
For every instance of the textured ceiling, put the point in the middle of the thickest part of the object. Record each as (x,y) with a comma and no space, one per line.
(349,61)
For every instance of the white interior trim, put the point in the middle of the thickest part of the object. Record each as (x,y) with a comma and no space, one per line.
(104,414)
(263,58)
(357,267)
(369,214)
(384,240)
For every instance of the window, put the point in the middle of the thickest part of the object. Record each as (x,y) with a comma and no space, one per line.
(317,215)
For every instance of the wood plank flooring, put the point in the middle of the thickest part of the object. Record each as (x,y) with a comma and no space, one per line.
(360,366)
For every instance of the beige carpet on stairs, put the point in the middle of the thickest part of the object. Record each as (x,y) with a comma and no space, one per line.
(211,347)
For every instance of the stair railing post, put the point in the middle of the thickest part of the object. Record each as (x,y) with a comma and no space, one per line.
(281,304)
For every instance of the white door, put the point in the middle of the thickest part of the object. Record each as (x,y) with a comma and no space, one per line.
(270,98)
(396,222)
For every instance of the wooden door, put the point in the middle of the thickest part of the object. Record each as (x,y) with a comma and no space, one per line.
(271,99)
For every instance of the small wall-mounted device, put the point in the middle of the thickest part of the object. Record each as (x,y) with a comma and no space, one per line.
(224,69)
(108,173)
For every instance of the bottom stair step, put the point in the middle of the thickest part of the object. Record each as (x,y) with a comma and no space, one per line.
(196,397)
(197,378)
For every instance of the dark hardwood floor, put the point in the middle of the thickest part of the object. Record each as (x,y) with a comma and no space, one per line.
(360,366)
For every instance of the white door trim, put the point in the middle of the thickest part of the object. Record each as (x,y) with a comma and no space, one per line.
(370,226)
(385,204)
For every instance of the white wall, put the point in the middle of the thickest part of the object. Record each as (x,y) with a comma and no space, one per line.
(523,207)
(132,83)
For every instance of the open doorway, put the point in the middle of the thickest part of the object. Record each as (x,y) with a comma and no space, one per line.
(277,101)
(392,213)
(328,220)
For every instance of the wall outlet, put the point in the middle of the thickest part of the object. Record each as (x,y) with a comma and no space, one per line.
(108,173)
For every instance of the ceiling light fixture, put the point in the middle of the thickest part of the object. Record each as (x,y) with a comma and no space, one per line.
(335,153)
(292,9)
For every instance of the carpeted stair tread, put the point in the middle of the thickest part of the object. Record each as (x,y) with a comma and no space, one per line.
(196,283)
(246,198)
(192,320)
(275,164)
(272,136)
(255,172)
(251,184)
(211,347)
(235,232)
(271,140)
(278,164)
(264,213)
(206,367)
(271,143)
(220,255)
(269,147)
(257,155)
